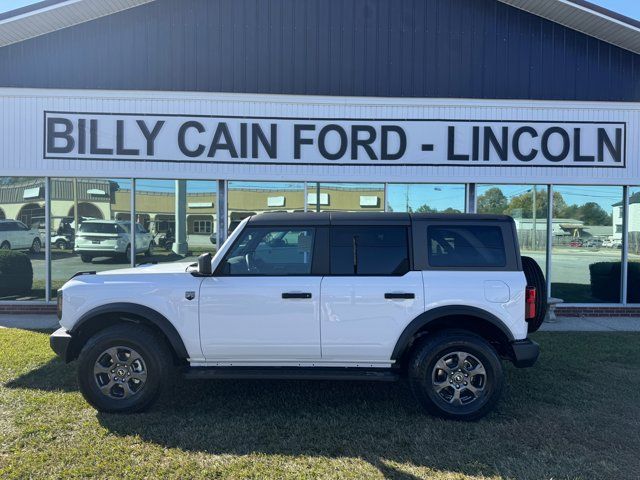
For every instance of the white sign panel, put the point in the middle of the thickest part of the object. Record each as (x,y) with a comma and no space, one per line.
(335,141)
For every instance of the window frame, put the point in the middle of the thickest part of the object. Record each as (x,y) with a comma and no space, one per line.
(508,229)
(318,244)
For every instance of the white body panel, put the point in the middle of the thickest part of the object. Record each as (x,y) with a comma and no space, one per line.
(159,287)
(358,323)
(464,288)
(246,318)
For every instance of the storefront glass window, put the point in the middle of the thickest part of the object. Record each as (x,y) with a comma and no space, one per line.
(586,249)
(100,207)
(175,219)
(425,198)
(633,275)
(527,204)
(249,198)
(22,221)
(345,197)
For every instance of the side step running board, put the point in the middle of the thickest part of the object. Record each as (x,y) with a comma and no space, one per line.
(291,373)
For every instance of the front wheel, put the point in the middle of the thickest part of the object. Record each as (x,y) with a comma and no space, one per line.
(457,375)
(86,258)
(36,246)
(123,368)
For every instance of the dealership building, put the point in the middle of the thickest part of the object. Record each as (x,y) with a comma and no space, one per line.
(182,117)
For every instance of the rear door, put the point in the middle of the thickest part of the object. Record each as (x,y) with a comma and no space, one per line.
(263,303)
(371,294)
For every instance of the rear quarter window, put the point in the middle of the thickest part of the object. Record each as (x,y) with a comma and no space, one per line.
(473,246)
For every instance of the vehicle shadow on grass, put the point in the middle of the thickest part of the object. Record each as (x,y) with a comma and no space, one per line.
(381,423)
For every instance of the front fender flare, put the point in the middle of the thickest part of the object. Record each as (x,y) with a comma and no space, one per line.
(157,319)
(432,316)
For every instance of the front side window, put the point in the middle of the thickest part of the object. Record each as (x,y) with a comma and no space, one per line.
(472,246)
(271,251)
(369,250)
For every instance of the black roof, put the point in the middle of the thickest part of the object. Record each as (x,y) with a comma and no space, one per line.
(363,218)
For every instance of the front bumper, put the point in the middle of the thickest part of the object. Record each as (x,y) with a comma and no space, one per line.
(524,353)
(60,340)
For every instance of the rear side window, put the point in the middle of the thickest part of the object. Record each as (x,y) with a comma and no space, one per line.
(369,250)
(465,246)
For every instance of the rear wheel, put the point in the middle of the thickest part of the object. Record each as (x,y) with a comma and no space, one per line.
(127,253)
(61,244)
(457,375)
(124,368)
(86,258)
(535,278)
(5,246)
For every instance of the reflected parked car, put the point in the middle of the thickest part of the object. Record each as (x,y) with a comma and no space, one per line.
(15,235)
(110,238)
(576,243)
(593,243)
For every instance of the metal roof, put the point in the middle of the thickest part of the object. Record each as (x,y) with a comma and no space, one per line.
(587,18)
(51,15)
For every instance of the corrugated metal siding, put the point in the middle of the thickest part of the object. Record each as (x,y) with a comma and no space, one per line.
(397,48)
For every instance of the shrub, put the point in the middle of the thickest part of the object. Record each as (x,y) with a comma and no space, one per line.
(605,281)
(16,273)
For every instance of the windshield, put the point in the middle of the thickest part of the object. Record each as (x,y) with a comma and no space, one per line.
(102,228)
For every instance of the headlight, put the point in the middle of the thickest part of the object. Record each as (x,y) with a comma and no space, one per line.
(59,308)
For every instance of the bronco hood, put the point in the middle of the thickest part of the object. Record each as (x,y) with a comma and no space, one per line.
(175,267)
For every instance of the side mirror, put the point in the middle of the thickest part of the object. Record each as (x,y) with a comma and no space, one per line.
(204,264)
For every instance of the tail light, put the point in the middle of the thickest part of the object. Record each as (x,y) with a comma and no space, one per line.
(530,303)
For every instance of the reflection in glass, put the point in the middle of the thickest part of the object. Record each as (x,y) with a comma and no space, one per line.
(345,197)
(586,248)
(22,222)
(249,198)
(425,198)
(99,207)
(175,219)
(527,204)
(633,266)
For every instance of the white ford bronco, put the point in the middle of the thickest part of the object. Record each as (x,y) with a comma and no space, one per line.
(436,299)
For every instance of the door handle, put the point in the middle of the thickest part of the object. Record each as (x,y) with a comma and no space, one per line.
(296,295)
(399,296)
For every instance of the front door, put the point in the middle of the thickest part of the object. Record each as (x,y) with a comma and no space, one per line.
(263,304)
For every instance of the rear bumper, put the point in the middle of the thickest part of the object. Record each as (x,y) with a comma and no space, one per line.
(60,341)
(524,353)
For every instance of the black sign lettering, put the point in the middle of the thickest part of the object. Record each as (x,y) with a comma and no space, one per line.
(523,157)
(270,145)
(498,146)
(150,136)
(365,143)
(384,142)
(182,144)
(566,144)
(54,134)
(93,140)
(451,146)
(605,141)
(298,140)
(120,148)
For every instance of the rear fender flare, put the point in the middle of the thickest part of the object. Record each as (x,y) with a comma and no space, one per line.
(436,314)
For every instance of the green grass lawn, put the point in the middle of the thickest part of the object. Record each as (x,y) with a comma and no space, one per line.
(575,415)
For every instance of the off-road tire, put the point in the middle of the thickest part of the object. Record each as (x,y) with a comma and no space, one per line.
(535,278)
(155,353)
(422,366)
